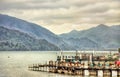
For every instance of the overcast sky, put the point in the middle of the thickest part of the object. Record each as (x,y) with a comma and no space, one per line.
(60,16)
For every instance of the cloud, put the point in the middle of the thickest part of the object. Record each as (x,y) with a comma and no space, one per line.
(67,14)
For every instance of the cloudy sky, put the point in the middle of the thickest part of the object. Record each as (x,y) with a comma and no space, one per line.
(60,16)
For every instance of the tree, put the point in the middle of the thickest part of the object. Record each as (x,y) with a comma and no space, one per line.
(119,50)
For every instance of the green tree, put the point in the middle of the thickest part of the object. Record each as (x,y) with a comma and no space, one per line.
(119,50)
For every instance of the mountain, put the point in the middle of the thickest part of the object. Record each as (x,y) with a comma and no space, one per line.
(16,40)
(33,30)
(81,43)
(79,34)
(116,27)
(102,36)
(39,38)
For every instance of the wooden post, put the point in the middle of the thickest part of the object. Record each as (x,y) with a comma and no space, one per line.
(40,67)
(37,67)
(103,72)
(96,72)
(110,72)
(43,68)
(117,72)
(33,67)
(82,72)
(46,66)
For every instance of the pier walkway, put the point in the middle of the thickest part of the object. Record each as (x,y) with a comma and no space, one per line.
(75,70)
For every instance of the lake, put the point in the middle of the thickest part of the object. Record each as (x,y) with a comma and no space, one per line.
(15,63)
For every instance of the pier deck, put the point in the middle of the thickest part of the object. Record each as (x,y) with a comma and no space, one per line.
(73,70)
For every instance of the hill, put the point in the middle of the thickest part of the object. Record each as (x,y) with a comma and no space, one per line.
(33,30)
(13,40)
(101,36)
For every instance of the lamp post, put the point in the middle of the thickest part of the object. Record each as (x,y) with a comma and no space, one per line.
(91,56)
(61,52)
(80,56)
(76,57)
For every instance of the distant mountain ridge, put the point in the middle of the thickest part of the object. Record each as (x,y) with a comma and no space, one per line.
(102,36)
(39,38)
(32,30)
(12,40)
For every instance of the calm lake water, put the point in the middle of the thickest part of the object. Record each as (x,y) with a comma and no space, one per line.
(15,64)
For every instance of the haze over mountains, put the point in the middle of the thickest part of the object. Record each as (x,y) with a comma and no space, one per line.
(32,30)
(14,40)
(17,34)
(98,37)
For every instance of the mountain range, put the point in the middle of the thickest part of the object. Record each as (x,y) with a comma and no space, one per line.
(33,30)
(18,34)
(99,37)
(13,40)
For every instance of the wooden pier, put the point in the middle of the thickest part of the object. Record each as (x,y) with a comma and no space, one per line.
(76,65)
(74,70)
